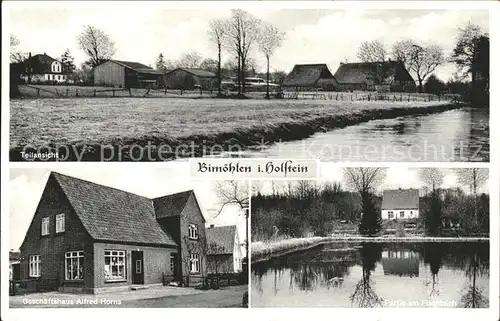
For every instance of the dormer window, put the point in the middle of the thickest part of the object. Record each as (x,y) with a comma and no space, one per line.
(60,223)
(193,232)
(56,67)
(45,226)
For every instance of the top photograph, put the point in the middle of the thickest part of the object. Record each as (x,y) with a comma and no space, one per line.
(140,83)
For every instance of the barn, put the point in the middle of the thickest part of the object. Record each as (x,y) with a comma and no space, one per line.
(127,74)
(190,78)
(310,77)
(375,76)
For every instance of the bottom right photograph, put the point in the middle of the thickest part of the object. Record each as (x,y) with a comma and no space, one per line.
(372,237)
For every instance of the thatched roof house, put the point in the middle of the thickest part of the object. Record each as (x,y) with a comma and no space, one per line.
(381,76)
(310,77)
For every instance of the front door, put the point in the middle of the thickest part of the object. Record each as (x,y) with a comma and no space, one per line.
(137,267)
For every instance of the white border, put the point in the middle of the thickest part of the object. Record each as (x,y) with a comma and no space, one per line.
(290,314)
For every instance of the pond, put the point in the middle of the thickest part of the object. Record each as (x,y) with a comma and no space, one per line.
(376,275)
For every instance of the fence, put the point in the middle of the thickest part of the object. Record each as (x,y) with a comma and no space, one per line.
(17,287)
(369,96)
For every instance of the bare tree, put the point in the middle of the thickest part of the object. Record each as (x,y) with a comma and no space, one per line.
(372,51)
(234,193)
(364,179)
(242,32)
(269,40)
(432,178)
(190,60)
(97,45)
(217,32)
(421,60)
(474,178)
(15,55)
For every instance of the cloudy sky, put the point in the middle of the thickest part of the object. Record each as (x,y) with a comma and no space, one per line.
(26,187)
(141,32)
(397,176)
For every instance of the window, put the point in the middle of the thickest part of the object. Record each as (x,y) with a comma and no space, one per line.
(194,263)
(172,262)
(45,225)
(193,231)
(50,77)
(60,223)
(390,214)
(138,267)
(114,265)
(34,265)
(402,214)
(74,265)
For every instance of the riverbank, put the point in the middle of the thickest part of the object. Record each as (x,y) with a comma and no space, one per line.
(144,129)
(263,251)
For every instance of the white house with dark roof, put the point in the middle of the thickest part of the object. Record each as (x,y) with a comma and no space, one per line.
(43,68)
(400,204)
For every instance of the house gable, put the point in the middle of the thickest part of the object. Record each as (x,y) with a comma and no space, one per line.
(401,199)
(52,247)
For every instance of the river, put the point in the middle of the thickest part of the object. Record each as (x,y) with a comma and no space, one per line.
(376,275)
(451,136)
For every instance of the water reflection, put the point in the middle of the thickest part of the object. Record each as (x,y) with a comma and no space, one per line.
(455,135)
(374,275)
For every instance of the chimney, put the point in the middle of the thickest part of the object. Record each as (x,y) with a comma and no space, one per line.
(211,226)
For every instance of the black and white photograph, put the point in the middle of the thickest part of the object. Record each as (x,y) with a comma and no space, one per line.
(159,83)
(371,237)
(113,238)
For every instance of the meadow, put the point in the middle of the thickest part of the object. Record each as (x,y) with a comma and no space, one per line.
(120,121)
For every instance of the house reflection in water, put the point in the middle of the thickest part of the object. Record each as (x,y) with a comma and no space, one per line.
(400,262)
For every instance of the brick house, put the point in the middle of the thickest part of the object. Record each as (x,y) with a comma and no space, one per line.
(224,249)
(85,237)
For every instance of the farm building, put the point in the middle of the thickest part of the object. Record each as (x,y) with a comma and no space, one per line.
(224,250)
(309,78)
(380,76)
(42,68)
(127,74)
(86,237)
(400,204)
(190,78)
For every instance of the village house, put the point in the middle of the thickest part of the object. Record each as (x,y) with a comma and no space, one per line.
(42,68)
(86,237)
(400,204)
(224,253)
(190,78)
(310,77)
(127,74)
(381,76)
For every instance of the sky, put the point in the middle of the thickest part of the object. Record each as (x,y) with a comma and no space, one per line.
(142,32)
(397,176)
(26,187)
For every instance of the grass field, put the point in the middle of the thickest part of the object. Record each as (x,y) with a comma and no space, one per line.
(88,123)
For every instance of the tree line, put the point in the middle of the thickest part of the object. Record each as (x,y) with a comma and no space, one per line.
(305,208)
(242,33)
(470,55)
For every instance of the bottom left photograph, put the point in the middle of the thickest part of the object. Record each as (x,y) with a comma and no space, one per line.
(121,238)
